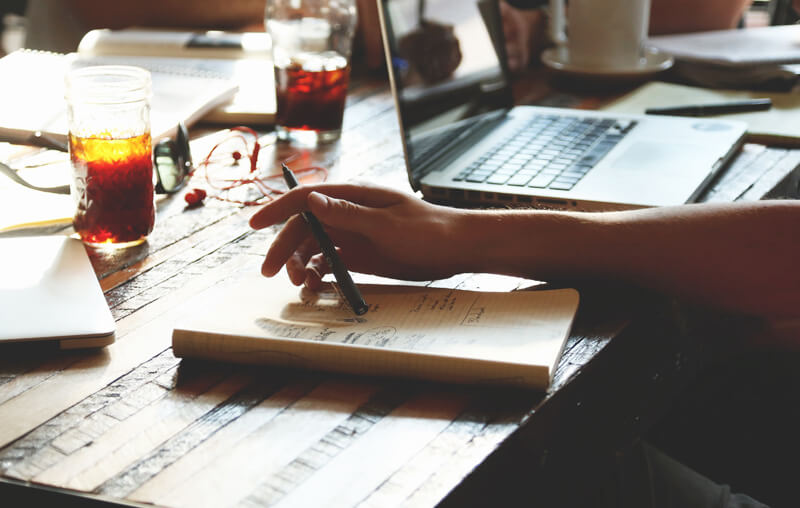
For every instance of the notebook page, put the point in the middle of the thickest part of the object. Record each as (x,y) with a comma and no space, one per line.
(254,100)
(179,93)
(245,58)
(33,94)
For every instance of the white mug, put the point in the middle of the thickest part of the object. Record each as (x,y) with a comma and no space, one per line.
(605,34)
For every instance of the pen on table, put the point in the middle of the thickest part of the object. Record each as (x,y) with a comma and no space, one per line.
(721,108)
(346,284)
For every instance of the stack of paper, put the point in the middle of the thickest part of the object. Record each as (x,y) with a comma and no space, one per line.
(749,58)
(244,58)
(33,94)
(741,47)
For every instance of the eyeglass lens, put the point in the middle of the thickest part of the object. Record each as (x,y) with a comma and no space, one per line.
(172,161)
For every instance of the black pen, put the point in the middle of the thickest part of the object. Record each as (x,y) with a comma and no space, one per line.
(722,108)
(343,278)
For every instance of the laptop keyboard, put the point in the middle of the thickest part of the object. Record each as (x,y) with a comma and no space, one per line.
(550,151)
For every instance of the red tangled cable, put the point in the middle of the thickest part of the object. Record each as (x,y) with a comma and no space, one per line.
(265,185)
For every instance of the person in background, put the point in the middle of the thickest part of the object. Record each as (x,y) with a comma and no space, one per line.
(59,25)
(11,25)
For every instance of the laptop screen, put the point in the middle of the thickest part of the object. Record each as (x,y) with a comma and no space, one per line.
(447,65)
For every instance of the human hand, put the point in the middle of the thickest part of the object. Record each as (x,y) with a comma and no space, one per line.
(376,230)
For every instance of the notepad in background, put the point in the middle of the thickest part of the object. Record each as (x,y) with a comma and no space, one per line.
(737,47)
(32,97)
(779,125)
(760,58)
(244,58)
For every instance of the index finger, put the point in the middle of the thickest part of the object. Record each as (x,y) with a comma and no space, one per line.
(295,201)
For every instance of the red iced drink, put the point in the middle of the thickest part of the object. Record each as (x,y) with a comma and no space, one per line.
(113,189)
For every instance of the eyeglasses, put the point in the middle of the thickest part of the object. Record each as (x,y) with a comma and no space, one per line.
(172,165)
(172,162)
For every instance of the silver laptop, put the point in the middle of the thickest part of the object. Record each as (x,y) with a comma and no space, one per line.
(464,143)
(49,292)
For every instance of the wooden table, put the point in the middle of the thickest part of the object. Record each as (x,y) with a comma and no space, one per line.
(133,424)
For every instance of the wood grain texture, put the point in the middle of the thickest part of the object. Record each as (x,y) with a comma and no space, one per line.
(132,422)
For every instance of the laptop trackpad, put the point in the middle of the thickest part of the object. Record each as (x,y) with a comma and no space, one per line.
(652,155)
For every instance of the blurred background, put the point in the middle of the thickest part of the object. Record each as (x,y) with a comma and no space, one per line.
(12,14)
(12,30)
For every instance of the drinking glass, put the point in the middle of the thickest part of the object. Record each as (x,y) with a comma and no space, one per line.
(108,111)
(311,46)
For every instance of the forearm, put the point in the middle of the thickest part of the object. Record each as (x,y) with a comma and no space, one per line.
(740,257)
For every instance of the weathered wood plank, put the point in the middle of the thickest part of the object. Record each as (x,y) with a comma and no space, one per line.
(26,380)
(140,338)
(182,469)
(181,249)
(420,468)
(80,425)
(269,447)
(309,461)
(359,469)
(459,465)
(215,421)
(43,436)
(123,444)
(492,417)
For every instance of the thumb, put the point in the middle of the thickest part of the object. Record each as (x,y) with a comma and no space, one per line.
(341,214)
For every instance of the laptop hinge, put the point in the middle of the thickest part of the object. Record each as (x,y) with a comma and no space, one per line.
(469,131)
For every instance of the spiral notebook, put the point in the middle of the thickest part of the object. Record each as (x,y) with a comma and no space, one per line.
(243,57)
(32,96)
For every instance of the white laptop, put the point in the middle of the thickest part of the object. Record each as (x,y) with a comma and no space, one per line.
(49,292)
(465,144)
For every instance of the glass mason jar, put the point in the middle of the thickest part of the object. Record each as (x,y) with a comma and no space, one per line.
(311,46)
(108,112)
